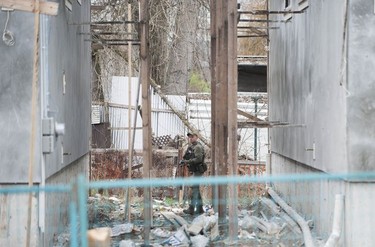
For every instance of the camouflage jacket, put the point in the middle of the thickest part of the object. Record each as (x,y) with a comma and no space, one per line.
(194,154)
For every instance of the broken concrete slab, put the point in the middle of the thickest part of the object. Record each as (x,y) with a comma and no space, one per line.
(121,229)
(181,237)
(127,243)
(158,232)
(174,218)
(199,241)
(194,229)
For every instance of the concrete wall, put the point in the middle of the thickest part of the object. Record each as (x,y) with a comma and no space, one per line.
(57,204)
(320,76)
(13,219)
(313,200)
(361,86)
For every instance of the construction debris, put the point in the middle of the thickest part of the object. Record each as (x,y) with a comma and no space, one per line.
(121,229)
(180,238)
(127,243)
(263,223)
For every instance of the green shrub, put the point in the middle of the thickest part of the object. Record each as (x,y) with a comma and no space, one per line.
(197,84)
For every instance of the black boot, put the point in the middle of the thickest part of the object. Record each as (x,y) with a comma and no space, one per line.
(199,210)
(190,210)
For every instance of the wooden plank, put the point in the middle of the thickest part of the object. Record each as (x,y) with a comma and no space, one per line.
(48,8)
(249,116)
(34,104)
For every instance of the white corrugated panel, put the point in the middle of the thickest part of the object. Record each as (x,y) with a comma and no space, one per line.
(163,120)
(95,114)
(200,116)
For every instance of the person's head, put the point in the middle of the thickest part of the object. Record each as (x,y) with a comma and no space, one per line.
(193,137)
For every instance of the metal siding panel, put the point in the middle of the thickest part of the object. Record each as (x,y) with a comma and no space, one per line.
(304,83)
(15,101)
(69,53)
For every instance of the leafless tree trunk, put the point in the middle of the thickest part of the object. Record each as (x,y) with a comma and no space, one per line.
(182,47)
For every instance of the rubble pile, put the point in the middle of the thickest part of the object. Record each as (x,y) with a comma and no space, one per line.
(264,223)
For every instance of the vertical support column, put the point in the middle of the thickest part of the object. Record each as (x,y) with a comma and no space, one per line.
(232,118)
(73,217)
(82,209)
(34,104)
(73,224)
(221,100)
(255,129)
(130,144)
(146,114)
(215,190)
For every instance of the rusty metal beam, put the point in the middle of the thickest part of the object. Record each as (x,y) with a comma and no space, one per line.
(255,20)
(104,23)
(112,40)
(253,36)
(97,7)
(114,43)
(267,12)
(252,27)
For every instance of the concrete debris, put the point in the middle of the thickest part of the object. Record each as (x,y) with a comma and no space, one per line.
(199,221)
(174,218)
(275,210)
(114,200)
(121,229)
(158,232)
(262,223)
(248,223)
(194,229)
(181,237)
(126,243)
(271,228)
(199,241)
(62,240)
(246,235)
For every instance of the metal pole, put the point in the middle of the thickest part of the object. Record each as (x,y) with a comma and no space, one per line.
(255,130)
(130,146)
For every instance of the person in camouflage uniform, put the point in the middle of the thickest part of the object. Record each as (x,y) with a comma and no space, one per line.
(194,159)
